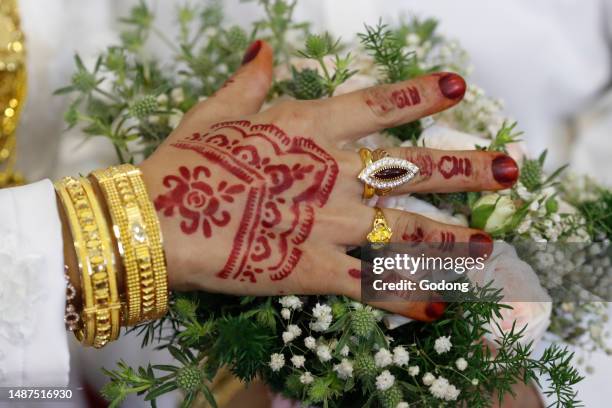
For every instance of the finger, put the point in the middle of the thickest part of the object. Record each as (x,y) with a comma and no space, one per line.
(357,114)
(242,94)
(428,308)
(448,171)
(416,230)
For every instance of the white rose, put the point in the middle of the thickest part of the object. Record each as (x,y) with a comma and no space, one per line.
(496,220)
(521,289)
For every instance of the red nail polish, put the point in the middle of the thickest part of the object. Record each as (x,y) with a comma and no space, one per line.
(251,52)
(452,86)
(505,170)
(355,273)
(435,309)
(481,245)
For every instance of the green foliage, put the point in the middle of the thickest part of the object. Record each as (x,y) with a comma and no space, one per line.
(507,134)
(306,84)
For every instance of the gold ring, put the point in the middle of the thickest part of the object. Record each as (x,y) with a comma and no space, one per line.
(366,160)
(381,173)
(381,233)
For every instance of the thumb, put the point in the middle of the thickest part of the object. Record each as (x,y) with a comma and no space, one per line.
(244,92)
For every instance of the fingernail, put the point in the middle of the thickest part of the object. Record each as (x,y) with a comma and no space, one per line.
(452,86)
(505,170)
(481,245)
(435,309)
(251,52)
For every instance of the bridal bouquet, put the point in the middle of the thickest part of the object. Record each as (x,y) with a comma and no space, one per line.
(331,351)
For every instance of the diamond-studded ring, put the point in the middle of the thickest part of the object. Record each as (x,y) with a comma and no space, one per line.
(382,173)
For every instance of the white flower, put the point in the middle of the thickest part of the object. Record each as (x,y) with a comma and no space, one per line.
(287,337)
(310,342)
(292,332)
(294,329)
(323,317)
(344,369)
(428,378)
(345,351)
(461,364)
(498,219)
(442,389)
(403,404)
(277,361)
(521,289)
(291,302)
(400,356)
(298,361)
(154,119)
(475,381)
(177,95)
(385,381)
(306,378)
(383,358)
(162,99)
(324,353)
(175,118)
(414,370)
(285,313)
(442,344)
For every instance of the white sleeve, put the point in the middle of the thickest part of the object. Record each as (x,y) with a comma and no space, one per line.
(33,340)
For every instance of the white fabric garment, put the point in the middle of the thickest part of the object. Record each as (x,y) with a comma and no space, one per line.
(33,344)
(547,59)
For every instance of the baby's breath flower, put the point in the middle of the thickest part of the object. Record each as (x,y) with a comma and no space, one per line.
(277,361)
(442,344)
(345,351)
(310,342)
(385,380)
(400,356)
(475,381)
(298,361)
(306,378)
(461,364)
(428,378)
(323,317)
(414,370)
(290,302)
(344,369)
(285,313)
(177,95)
(403,404)
(383,358)
(442,389)
(323,353)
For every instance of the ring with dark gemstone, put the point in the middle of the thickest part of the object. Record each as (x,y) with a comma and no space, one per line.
(385,173)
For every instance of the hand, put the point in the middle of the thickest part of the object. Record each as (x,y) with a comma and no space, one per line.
(266,203)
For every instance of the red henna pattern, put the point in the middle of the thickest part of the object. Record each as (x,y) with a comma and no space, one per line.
(382,103)
(285,179)
(408,96)
(447,241)
(450,166)
(196,201)
(415,238)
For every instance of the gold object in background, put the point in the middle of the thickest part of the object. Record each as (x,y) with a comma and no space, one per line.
(13,81)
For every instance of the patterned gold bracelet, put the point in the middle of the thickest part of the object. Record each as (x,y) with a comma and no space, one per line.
(101,303)
(138,235)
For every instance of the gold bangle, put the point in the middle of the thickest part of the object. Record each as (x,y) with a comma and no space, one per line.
(138,235)
(101,305)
